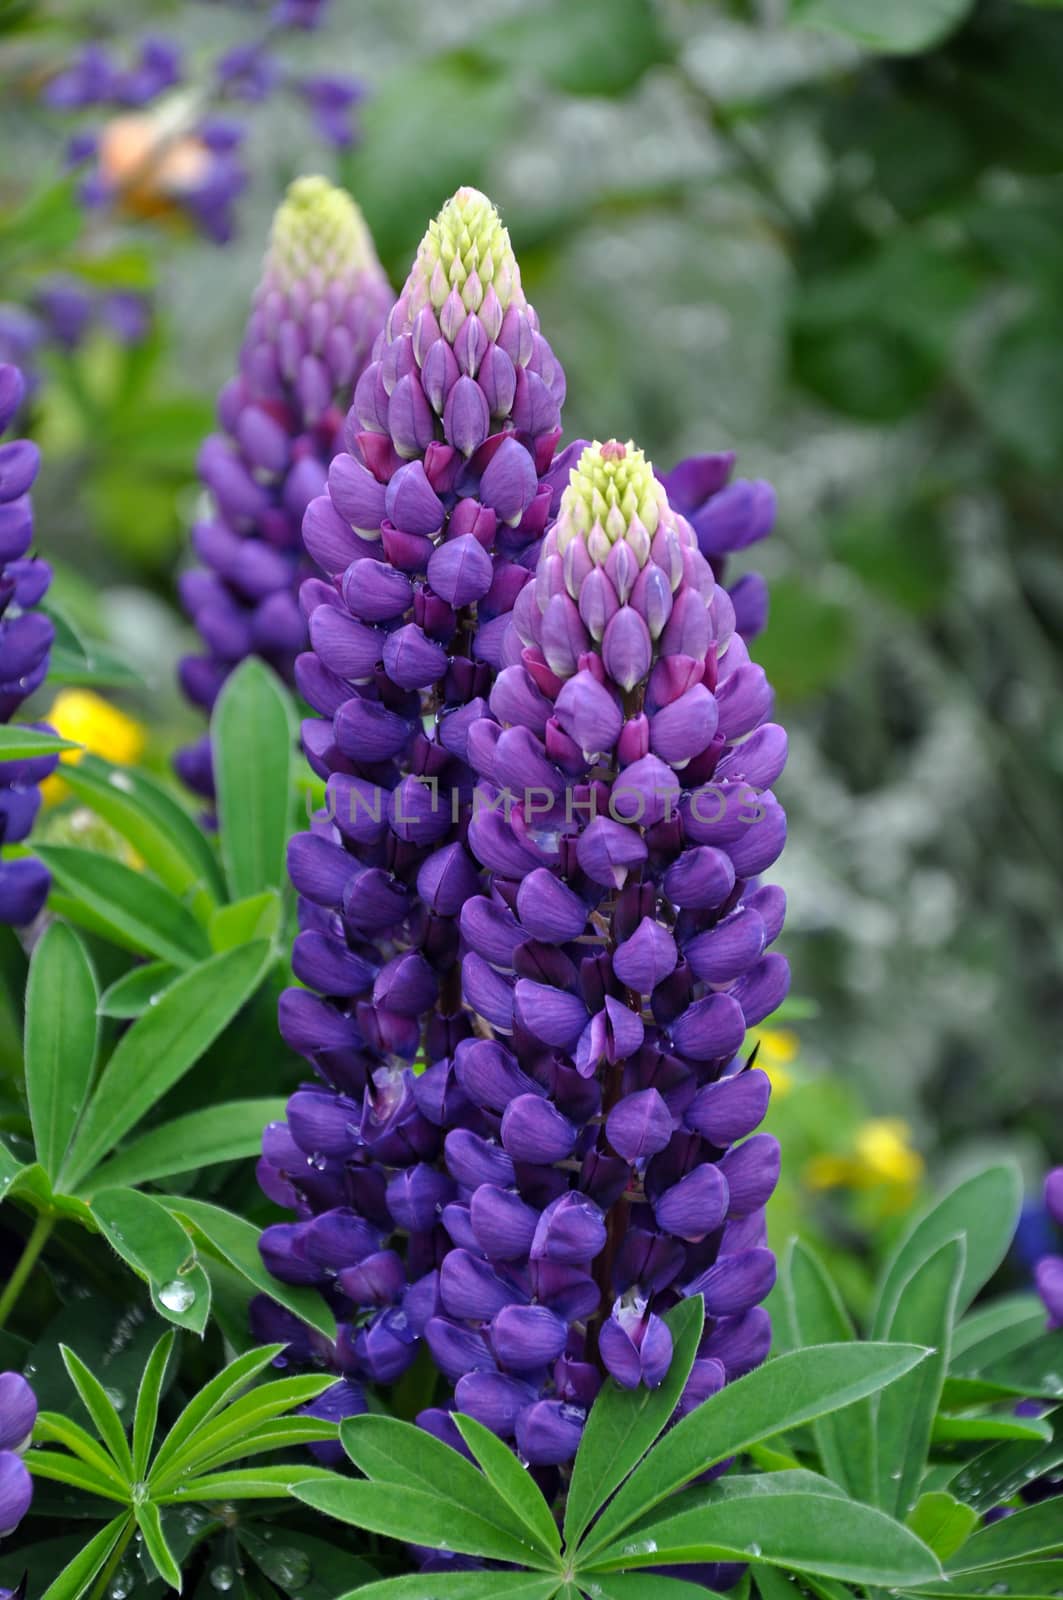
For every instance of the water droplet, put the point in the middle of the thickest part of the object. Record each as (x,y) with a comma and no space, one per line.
(998,1588)
(290,1568)
(194,1521)
(119,780)
(222,1578)
(895,1477)
(645,1547)
(116,1397)
(121,1585)
(177,1296)
(753,1549)
(139,1493)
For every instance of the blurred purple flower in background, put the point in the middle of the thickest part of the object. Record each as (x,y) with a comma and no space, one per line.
(170,155)
(1048,1273)
(26,635)
(317,311)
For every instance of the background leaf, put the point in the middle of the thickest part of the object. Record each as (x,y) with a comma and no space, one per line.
(61,1004)
(161,1046)
(253,739)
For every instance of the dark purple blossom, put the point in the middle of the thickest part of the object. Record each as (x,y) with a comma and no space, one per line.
(317,311)
(18,1413)
(574,1156)
(26,636)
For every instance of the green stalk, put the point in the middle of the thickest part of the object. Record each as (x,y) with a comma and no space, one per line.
(27,1261)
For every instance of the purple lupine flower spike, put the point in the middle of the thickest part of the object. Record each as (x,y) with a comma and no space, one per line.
(1048,1274)
(626,814)
(318,309)
(727,516)
(427,534)
(26,636)
(18,1413)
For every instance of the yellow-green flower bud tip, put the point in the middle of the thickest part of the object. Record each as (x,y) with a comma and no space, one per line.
(318,230)
(612,494)
(467,249)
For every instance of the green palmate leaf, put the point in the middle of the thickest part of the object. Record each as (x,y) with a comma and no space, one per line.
(157,826)
(962,1394)
(160,1048)
(984,1209)
(135,911)
(286,1433)
(60,1040)
(11,1170)
(624,1423)
(75,1474)
(772,1584)
(78,1574)
(996,1330)
(651,1586)
(1022,1578)
(902,27)
(149,1523)
(249,1483)
(1035,1531)
(101,1409)
(231,1131)
(964,1430)
(397,1454)
(147,1409)
(239,1421)
(786,1392)
(19,743)
(285,1563)
(512,1482)
(942,1522)
(816,1315)
(996,1474)
(462,1586)
(766,1519)
(235,1241)
(216,1394)
(1036,1369)
(156,1246)
(418,1516)
(905,1414)
(253,738)
(53,1428)
(132,994)
(257,917)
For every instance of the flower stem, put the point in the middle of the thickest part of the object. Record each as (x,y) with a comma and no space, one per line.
(27,1261)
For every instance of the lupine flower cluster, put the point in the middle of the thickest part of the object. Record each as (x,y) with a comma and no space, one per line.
(171,147)
(18,1413)
(26,635)
(316,314)
(533,937)
(726,517)
(1048,1274)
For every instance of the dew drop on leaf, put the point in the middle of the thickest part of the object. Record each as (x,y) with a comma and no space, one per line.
(177,1296)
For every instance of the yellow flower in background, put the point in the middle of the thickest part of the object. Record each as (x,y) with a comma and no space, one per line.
(776,1049)
(88,720)
(882,1157)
